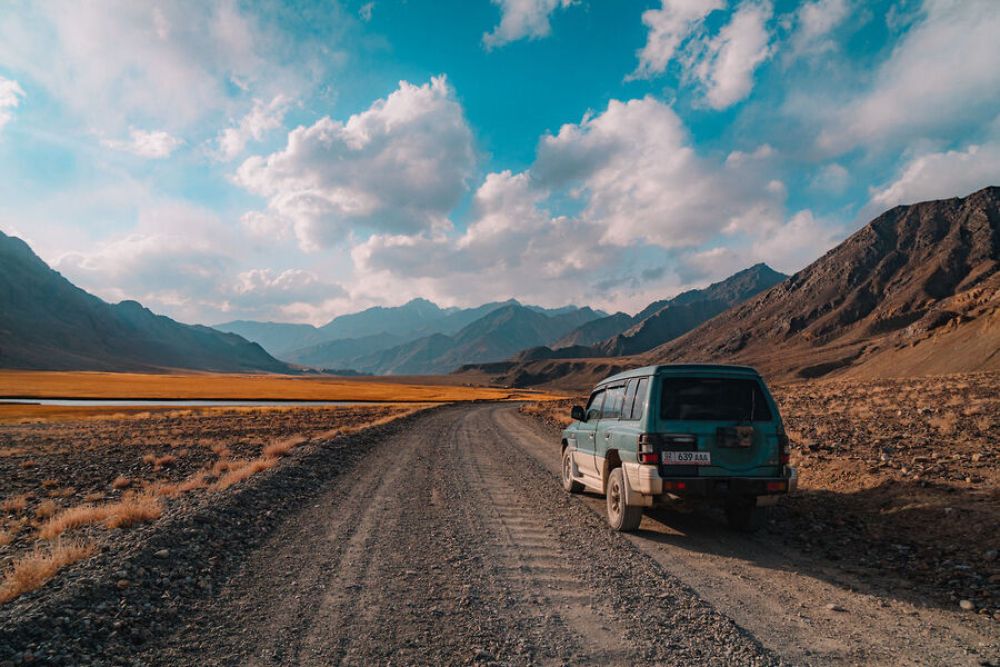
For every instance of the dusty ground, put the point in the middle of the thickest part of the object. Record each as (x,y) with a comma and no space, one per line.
(51,468)
(900,481)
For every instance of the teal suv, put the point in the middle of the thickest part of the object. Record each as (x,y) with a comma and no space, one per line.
(659,434)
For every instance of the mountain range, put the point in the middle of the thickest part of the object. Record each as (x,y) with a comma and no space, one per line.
(915,291)
(46,322)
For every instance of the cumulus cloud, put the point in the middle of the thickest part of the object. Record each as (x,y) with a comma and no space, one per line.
(146,143)
(724,65)
(167,63)
(640,185)
(10,98)
(669,26)
(832,178)
(399,166)
(642,180)
(513,246)
(813,23)
(264,116)
(522,19)
(260,288)
(943,74)
(721,66)
(940,175)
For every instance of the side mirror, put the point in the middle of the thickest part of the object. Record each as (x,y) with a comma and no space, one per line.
(578,414)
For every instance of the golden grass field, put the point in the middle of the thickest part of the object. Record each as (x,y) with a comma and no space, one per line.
(59,384)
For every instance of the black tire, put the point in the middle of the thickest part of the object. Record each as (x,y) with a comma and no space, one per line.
(621,517)
(745,516)
(568,483)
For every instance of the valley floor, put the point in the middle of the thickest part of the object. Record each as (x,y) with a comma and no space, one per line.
(444,537)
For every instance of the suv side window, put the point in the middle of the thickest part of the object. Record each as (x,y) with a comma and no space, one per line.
(613,402)
(629,398)
(594,405)
(639,399)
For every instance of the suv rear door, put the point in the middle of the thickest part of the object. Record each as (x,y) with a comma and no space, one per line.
(733,419)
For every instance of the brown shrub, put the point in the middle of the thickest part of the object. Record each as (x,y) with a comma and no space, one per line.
(28,464)
(6,537)
(33,570)
(15,503)
(94,497)
(130,510)
(50,483)
(46,508)
(240,471)
(134,509)
(282,447)
(121,482)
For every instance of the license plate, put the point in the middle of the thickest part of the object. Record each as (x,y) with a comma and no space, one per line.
(687,458)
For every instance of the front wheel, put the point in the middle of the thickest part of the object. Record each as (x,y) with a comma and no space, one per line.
(568,483)
(623,518)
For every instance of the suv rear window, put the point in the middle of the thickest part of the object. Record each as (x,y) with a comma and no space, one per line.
(712,399)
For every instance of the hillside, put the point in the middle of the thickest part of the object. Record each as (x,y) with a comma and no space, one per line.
(46,322)
(665,320)
(915,291)
(498,335)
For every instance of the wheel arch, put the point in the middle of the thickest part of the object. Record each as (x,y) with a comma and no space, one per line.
(611,461)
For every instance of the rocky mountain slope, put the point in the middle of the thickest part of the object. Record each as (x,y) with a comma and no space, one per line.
(46,322)
(915,291)
(499,335)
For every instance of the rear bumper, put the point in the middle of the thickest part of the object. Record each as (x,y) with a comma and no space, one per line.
(646,480)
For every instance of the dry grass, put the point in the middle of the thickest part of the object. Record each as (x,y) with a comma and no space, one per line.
(54,384)
(6,537)
(129,511)
(33,570)
(241,470)
(28,464)
(46,508)
(282,447)
(16,503)
(121,482)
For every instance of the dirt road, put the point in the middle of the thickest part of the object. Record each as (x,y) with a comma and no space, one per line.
(452,542)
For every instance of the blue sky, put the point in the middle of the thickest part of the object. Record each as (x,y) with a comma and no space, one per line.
(294,161)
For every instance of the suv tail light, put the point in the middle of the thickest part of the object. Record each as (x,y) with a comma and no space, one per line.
(647,451)
(784,449)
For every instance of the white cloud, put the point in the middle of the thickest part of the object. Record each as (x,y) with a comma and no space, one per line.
(513,246)
(642,180)
(942,75)
(399,166)
(669,27)
(814,21)
(939,176)
(10,97)
(365,11)
(262,118)
(725,64)
(153,144)
(260,288)
(520,19)
(167,64)
(832,178)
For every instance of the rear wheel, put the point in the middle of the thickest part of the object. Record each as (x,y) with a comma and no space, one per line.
(568,482)
(744,515)
(623,518)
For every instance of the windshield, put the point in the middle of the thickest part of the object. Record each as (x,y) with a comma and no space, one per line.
(712,399)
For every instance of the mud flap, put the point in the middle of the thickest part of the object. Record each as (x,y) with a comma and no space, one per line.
(632,497)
